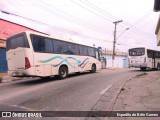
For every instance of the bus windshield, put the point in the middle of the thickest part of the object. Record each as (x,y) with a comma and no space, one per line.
(17,41)
(136,52)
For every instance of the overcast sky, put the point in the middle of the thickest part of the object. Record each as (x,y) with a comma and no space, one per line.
(89,21)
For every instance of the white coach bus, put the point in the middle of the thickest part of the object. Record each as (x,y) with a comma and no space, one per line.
(34,54)
(144,58)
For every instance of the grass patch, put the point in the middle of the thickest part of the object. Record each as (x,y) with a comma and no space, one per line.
(142,74)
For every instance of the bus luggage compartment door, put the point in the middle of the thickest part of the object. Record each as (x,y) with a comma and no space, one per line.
(43,70)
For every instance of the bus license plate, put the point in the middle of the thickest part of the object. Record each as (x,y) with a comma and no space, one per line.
(15,74)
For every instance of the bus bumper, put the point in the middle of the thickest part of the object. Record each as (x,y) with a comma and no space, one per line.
(21,73)
(16,73)
(138,65)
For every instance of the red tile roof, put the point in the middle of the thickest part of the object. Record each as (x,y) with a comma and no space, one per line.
(8,28)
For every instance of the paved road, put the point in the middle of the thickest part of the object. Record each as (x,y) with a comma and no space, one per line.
(76,93)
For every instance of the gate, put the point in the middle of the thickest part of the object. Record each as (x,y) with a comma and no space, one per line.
(3,61)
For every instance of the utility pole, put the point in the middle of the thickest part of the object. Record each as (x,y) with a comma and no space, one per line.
(114,41)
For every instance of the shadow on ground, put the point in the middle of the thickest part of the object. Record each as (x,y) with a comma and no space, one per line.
(37,80)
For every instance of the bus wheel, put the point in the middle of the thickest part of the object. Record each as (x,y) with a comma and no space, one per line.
(143,69)
(93,68)
(63,72)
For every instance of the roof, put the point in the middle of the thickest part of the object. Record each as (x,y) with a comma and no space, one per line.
(52,37)
(8,28)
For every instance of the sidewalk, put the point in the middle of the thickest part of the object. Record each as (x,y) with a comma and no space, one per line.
(141,93)
(5,78)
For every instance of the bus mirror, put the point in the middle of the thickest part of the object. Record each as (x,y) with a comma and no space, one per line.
(100,53)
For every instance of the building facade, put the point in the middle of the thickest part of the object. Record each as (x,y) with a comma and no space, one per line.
(157,32)
(7,29)
(120,60)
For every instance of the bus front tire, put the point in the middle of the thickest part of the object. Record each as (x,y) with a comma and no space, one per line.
(63,72)
(93,68)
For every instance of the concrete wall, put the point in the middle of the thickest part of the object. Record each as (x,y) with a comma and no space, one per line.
(119,61)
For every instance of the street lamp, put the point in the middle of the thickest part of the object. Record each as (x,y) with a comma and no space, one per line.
(122,33)
(114,41)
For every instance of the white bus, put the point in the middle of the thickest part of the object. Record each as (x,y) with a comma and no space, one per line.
(34,54)
(144,58)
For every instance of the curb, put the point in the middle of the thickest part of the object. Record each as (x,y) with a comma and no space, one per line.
(113,101)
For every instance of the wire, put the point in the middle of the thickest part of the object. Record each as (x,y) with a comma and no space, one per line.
(99,10)
(143,17)
(58,28)
(68,17)
(107,14)
(92,11)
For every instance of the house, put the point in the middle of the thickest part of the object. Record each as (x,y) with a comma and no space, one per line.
(120,60)
(157,32)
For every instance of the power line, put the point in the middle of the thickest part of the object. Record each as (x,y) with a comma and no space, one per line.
(143,17)
(101,11)
(113,18)
(66,16)
(91,11)
(58,28)
(149,20)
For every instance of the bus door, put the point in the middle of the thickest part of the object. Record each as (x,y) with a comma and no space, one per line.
(156,59)
(153,59)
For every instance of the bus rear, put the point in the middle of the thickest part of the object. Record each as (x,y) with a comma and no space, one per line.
(19,57)
(137,58)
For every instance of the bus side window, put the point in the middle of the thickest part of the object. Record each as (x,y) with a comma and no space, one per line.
(73,49)
(60,47)
(150,54)
(38,43)
(42,44)
(83,50)
(48,45)
(91,52)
